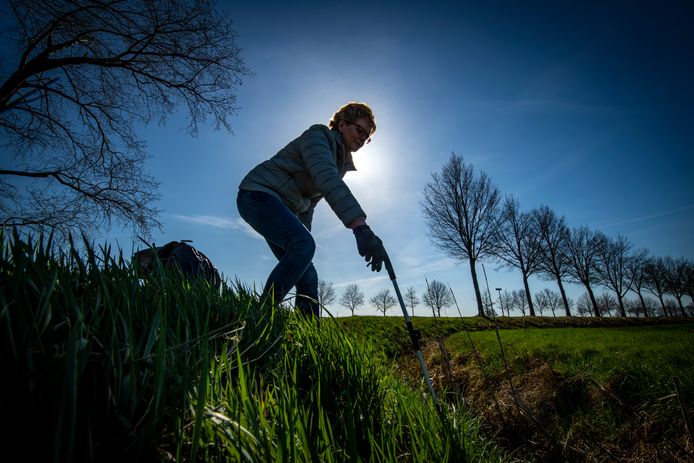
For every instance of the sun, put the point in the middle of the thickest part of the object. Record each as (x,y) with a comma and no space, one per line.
(371,162)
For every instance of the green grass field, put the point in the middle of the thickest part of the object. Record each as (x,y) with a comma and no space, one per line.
(569,392)
(656,352)
(101,363)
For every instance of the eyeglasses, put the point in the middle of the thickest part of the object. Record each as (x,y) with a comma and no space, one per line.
(363,132)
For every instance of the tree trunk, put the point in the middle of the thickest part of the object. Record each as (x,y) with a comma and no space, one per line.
(621,305)
(679,302)
(592,300)
(643,304)
(527,295)
(662,305)
(563,295)
(475,284)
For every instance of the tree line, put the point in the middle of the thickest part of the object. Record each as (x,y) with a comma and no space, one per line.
(468,219)
(437,297)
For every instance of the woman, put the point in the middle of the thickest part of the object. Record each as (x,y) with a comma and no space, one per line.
(278,196)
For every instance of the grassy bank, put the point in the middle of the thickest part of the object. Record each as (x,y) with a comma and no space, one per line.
(102,364)
(561,390)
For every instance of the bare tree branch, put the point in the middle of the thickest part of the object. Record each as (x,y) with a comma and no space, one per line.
(85,74)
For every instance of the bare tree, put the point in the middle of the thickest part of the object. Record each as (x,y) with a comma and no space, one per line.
(461,210)
(651,305)
(352,298)
(437,296)
(656,284)
(670,307)
(641,307)
(541,303)
(675,280)
(585,304)
(637,274)
(506,302)
(326,293)
(488,305)
(520,301)
(583,247)
(613,267)
(82,79)
(553,235)
(517,244)
(549,300)
(608,304)
(411,299)
(383,301)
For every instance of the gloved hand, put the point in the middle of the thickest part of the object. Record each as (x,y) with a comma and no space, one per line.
(370,247)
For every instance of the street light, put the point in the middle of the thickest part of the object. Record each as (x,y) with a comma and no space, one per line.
(500,306)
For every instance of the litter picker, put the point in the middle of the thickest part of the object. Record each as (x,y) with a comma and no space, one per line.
(415,335)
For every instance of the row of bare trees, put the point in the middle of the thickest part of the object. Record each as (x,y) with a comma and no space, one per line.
(548,300)
(437,297)
(469,220)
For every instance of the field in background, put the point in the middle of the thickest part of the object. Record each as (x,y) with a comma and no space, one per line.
(580,389)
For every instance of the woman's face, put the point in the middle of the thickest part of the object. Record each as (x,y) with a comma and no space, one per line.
(355,134)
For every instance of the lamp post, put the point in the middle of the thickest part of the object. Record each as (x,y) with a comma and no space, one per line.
(501,307)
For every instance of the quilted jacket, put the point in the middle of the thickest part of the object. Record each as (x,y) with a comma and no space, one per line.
(309,168)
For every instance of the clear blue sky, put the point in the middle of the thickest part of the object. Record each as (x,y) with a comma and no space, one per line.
(585,107)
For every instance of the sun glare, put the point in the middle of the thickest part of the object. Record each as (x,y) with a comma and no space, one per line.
(371,162)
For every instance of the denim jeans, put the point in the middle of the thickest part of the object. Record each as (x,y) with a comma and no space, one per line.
(292,244)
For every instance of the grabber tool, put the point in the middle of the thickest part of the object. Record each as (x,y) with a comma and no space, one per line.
(415,335)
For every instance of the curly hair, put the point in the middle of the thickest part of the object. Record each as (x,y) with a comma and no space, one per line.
(351,112)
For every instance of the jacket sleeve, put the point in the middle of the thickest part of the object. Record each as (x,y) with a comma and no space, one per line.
(320,162)
(306,217)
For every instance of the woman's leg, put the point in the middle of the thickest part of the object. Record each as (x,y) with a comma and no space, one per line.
(306,288)
(307,292)
(288,238)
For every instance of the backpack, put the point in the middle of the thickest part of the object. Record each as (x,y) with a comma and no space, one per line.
(189,260)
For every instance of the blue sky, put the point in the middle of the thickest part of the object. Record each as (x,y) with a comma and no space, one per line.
(581,106)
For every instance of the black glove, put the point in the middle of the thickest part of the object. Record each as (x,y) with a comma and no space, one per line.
(370,247)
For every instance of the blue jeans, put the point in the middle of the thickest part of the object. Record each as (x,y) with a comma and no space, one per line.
(292,244)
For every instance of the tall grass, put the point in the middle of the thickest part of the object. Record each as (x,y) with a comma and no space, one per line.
(97,359)
(329,400)
(101,364)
